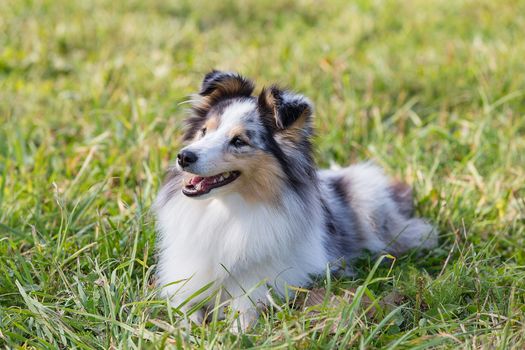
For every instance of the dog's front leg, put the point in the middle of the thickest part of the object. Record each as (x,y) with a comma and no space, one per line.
(196,317)
(247,314)
(248,294)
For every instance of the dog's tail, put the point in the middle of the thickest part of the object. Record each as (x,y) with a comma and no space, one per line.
(413,233)
(408,232)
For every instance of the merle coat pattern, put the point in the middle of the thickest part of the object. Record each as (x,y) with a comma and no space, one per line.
(246,210)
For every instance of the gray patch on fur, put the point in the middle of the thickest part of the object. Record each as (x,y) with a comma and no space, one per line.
(344,237)
(402,194)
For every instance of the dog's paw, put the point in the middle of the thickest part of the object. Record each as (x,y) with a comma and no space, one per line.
(195,318)
(244,322)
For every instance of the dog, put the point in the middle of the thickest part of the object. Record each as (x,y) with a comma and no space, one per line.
(245,210)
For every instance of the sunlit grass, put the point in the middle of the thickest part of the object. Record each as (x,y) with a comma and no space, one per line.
(91,109)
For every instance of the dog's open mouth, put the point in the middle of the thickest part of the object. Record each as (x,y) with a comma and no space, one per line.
(198,185)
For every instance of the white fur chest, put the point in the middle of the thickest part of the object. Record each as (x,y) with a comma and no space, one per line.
(235,244)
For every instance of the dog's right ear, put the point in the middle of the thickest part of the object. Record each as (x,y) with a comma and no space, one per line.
(216,86)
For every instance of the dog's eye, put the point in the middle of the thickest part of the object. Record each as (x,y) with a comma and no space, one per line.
(203,132)
(238,142)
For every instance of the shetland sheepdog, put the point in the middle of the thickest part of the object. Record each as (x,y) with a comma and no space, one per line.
(245,211)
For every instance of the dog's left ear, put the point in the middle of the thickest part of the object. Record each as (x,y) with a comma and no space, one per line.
(217,85)
(285,111)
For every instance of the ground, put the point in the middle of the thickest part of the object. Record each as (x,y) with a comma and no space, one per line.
(92,98)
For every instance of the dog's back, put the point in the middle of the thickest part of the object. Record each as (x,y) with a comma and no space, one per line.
(371,212)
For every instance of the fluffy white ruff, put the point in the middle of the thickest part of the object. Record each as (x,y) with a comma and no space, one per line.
(236,245)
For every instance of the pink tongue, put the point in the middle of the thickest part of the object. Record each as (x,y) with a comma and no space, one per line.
(195,180)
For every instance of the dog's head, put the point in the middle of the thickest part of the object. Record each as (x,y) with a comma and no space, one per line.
(236,142)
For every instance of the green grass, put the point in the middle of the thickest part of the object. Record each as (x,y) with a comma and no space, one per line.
(91,111)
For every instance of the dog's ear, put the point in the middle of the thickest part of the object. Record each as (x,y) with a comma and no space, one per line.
(285,112)
(216,86)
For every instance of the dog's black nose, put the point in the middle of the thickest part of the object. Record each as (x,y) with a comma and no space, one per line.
(185,158)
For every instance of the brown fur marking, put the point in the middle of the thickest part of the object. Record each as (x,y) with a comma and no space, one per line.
(295,132)
(261,179)
(212,123)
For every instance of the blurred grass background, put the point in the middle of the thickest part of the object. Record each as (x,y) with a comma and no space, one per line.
(91,106)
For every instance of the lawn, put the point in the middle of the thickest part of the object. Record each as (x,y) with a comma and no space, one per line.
(92,99)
